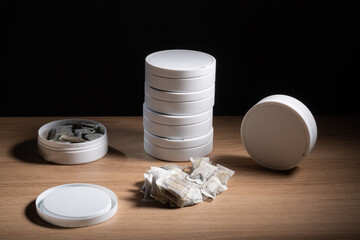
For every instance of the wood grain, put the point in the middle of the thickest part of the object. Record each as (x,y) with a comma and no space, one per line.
(320,199)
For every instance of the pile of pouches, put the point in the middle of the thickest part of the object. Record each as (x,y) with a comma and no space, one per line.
(173,185)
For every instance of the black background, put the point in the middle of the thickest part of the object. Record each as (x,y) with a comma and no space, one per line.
(87,58)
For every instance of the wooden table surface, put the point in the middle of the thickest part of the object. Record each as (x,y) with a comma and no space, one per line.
(319,199)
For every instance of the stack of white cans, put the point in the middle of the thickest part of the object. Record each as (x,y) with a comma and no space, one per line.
(178,108)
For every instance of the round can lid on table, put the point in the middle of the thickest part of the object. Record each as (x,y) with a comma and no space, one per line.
(76,205)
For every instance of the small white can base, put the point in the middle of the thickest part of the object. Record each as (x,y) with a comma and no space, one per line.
(71,153)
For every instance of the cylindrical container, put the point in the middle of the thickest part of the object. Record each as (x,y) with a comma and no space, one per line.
(279,132)
(180,63)
(71,153)
(177,131)
(180,84)
(180,108)
(179,97)
(174,154)
(178,143)
(176,119)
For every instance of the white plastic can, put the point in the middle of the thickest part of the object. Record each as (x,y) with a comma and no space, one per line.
(180,63)
(180,70)
(177,131)
(279,132)
(176,119)
(180,108)
(179,96)
(180,84)
(177,154)
(178,143)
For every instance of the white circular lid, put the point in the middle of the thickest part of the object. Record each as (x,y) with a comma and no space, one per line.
(278,132)
(76,205)
(180,63)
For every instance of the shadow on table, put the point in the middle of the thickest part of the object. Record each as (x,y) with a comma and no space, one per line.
(26,151)
(30,212)
(113,152)
(248,165)
(137,199)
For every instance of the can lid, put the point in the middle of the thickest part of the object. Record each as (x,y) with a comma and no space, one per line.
(76,205)
(180,84)
(180,108)
(179,96)
(176,119)
(177,155)
(179,143)
(278,132)
(177,131)
(180,63)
